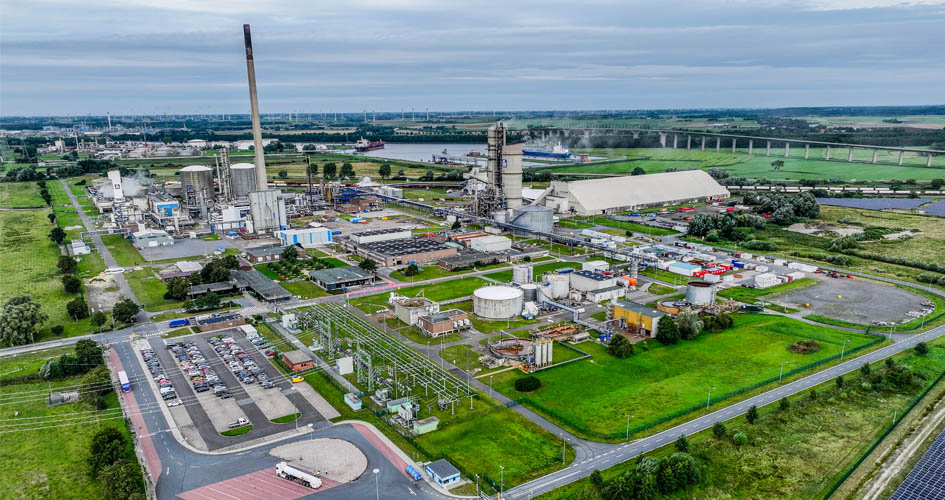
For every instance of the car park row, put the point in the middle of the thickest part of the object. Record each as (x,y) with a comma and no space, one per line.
(164,384)
(242,365)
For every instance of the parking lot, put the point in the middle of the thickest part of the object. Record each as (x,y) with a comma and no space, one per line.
(220,381)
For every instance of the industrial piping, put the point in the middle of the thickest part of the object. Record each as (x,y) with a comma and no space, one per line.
(261,183)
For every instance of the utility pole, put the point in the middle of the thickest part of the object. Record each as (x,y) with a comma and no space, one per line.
(708,398)
(843,348)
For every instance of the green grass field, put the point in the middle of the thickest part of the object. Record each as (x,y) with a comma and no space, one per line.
(443,290)
(667,379)
(433,271)
(658,289)
(24,364)
(124,253)
(149,290)
(48,460)
(304,289)
(22,194)
(757,165)
(798,453)
(239,431)
(28,266)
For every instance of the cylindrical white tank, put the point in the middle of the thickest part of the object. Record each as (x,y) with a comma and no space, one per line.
(497,302)
(512,175)
(534,217)
(560,284)
(522,274)
(544,292)
(242,179)
(700,293)
(197,178)
(531,292)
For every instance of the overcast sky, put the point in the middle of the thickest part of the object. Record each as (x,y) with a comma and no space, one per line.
(186,56)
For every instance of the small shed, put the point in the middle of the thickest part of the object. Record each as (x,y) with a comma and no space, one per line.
(297,360)
(426,425)
(442,472)
(395,404)
(353,401)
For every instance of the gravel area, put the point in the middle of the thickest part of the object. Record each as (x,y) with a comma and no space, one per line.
(336,459)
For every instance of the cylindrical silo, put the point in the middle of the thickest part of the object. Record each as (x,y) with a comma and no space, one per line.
(512,175)
(531,292)
(700,293)
(534,217)
(522,274)
(195,179)
(560,284)
(242,179)
(497,302)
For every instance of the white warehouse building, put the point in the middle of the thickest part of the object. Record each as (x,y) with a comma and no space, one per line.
(490,244)
(307,237)
(616,194)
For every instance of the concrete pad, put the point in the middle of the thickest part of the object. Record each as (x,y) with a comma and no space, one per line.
(336,459)
(857,300)
(321,404)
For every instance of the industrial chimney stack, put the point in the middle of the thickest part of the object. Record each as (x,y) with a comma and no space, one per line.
(261,182)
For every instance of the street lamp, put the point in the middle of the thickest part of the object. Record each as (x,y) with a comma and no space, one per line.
(490,386)
(843,348)
(562,447)
(708,398)
(782,370)
(377,491)
(311,428)
(501,479)
(628,426)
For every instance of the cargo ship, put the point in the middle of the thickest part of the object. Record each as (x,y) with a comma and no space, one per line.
(557,151)
(364,145)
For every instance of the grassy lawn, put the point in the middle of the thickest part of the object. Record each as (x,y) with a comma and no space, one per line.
(753,295)
(180,332)
(22,194)
(169,315)
(124,253)
(239,431)
(149,289)
(443,290)
(286,418)
(573,224)
(304,289)
(658,289)
(798,453)
(210,237)
(667,277)
(48,460)
(600,316)
(665,380)
(28,262)
(632,226)
(26,363)
(537,270)
(433,271)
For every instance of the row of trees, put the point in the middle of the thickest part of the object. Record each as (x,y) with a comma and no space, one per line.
(731,226)
(110,461)
(784,210)
(689,325)
(651,478)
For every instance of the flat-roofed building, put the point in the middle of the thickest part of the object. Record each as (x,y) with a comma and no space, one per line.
(443,322)
(341,277)
(638,316)
(405,251)
(376,235)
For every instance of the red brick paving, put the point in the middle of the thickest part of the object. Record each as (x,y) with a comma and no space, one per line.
(260,485)
(137,421)
(385,450)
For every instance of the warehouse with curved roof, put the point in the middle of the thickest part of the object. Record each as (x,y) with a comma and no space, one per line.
(617,194)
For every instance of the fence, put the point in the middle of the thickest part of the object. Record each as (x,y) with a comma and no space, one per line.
(581,428)
(883,436)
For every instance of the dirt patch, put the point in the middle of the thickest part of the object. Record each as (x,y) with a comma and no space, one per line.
(824,229)
(859,301)
(900,235)
(805,346)
(103,292)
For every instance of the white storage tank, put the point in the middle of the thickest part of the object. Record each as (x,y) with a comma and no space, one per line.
(700,293)
(242,179)
(560,285)
(534,217)
(498,302)
(522,274)
(197,178)
(512,175)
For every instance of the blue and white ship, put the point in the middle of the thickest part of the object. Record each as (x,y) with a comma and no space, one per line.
(557,151)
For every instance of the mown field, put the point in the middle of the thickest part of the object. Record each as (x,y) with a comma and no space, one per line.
(21,195)
(663,380)
(757,166)
(798,453)
(537,270)
(47,460)
(436,291)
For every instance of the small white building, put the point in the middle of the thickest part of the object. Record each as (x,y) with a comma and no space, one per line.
(290,321)
(595,265)
(307,237)
(684,268)
(78,247)
(586,281)
(766,280)
(151,238)
(609,293)
(490,244)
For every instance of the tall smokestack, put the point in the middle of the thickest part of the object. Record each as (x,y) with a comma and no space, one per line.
(261,182)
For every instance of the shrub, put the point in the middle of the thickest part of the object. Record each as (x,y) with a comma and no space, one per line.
(527,384)
(921,349)
(719,430)
(620,347)
(752,415)
(682,444)
(805,346)
(57,330)
(739,439)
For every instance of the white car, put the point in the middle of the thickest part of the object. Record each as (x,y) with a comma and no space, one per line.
(175,402)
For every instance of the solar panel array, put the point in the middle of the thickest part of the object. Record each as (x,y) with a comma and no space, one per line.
(926,481)
(876,203)
(937,209)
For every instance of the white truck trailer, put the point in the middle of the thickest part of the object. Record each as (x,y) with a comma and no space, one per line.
(285,471)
